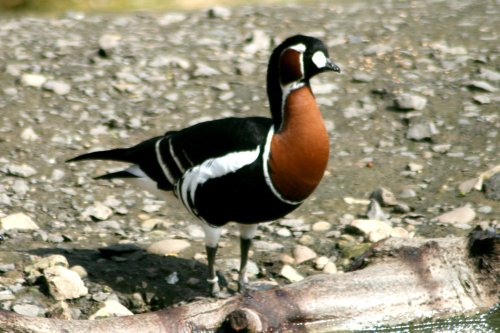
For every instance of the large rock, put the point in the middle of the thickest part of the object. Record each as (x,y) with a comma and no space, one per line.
(64,283)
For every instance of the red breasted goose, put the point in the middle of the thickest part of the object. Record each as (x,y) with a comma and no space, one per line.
(243,170)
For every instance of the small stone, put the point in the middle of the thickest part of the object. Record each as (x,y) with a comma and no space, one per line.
(330,268)
(18,221)
(107,43)
(481,85)
(375,212)
(171,18)
(111,308)
(303,253)
(441,148)
(97,211)
(259,41)
(377,49)
(483,210)
(57,174)
(59,87)
(267,246)
(287,259)
(80,270)
(321,226)
(154,223)
(168,247)
(469,185)
(410,102)
(35,270)
(384,197)
(28,134)
(492,187)
(20,170)
(374,230)
(462,215)
(283,232)
(20,187)
(482,99)
(362,77)
(172,278)
(29,310)
(64,283)
(4,268)
(203,70)
(414,167)
(419,131)
(321,262)
(219,12)
(60,310)
(408,193)
(289,273)
(400,232)
(33,80)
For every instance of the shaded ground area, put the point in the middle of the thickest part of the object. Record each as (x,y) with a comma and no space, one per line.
(83,82)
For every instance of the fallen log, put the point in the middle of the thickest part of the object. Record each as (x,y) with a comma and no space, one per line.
(404,280)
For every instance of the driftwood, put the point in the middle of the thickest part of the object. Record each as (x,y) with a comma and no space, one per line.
(404,280)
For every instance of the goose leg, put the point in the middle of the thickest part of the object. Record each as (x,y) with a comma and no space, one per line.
(212,235)
(247,233)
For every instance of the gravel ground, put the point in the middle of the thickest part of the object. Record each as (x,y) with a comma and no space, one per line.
(413,118)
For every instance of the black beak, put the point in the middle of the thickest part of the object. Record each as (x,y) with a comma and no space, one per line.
(331,66)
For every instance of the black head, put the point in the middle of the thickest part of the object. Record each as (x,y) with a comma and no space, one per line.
(296,60)
(299,58)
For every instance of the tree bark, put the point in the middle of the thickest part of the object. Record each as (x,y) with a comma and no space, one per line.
(403,281)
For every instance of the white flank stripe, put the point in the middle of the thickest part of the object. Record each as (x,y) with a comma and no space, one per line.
(267,176)
(176,160)
(210,169)
(164,168)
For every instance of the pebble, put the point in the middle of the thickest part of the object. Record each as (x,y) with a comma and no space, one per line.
(111,308)
(20,170)
(171,18)
(59,87)
(375,212)
(33,80)
(107,43)
(362,77)
(4,268)
(97,211)
(234,265)
(492,187)
(377,49)
(80,270)
(267,246)
(283,232)
(462,215)
(321,226)
(408,193)
(303,253)
(64,283)
(28,134)
(289,273)
(172,278)
(441,148)
(421,130)
(374,230)
(20,187)
(168,247)
(481,85)
(219,12)
(410,102)
(19,221)
(330,268)
(259,41)
(384,197)
(415,167)
(203,70)
(29,310)
(60,310)
(321,262)
(482,99)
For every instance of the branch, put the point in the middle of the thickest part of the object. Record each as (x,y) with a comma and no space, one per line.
(405,280)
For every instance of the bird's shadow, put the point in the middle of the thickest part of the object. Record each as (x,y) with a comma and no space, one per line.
(162,281)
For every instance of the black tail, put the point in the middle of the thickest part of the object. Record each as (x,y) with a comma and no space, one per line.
(118,154)
(118,174)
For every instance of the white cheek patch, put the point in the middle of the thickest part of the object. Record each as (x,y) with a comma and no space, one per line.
(319,59)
